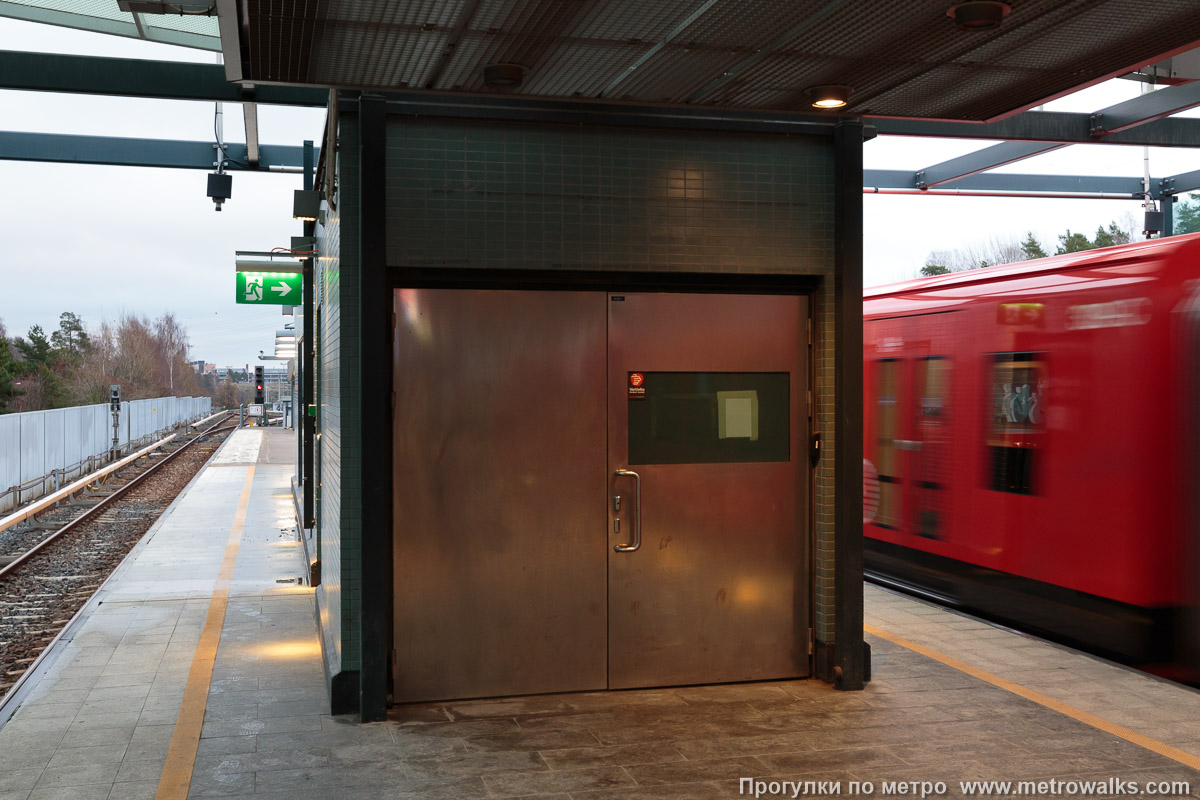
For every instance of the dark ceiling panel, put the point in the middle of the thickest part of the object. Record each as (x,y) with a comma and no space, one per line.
(582,70)
(903,58)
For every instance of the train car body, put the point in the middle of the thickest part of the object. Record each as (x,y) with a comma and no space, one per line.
(1030,445)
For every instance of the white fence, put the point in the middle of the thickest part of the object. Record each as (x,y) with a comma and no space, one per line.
(39,450)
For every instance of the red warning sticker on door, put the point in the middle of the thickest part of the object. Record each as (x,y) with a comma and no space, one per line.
(637,386)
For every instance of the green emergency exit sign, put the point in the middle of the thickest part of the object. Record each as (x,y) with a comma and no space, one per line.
(269,288)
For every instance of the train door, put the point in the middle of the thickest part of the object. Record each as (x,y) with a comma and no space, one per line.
(911,424)
(596,490)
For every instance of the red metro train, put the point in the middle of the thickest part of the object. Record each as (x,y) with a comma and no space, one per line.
(1032,446)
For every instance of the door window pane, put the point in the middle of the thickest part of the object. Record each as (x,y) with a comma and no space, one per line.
(709,417)
(1017,430)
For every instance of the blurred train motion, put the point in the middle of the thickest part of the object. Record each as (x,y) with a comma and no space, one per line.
(1032,446)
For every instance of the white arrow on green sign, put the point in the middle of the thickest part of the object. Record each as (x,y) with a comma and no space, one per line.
(269,288)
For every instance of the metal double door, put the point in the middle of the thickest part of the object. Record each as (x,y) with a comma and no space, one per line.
(597,490)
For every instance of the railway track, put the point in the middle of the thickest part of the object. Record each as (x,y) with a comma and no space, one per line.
(51,566)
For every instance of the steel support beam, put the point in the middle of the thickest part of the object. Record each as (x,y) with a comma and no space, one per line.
(1143,109)
(253,151)
(849,659)
(307,424)
(574,112)
(1049,126)
(1081,184)
(980,161)
(1178,184)
(128,77)
(374,409)
(230,27)
(139,152)
(1107,121)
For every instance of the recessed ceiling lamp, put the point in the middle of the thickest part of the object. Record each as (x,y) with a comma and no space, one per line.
(504,76)
(832,96)
(978,15)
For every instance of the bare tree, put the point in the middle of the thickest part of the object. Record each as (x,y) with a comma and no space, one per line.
(172,344)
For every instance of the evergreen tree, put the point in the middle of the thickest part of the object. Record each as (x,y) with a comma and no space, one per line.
(37,350)
(70,340)
(9,370)
(1072,243)
(934,269)
(1187,215)
(1107,237)
(1032,248)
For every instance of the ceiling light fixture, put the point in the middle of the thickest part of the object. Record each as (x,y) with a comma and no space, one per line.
(504,76)
(830,96)
(978,15)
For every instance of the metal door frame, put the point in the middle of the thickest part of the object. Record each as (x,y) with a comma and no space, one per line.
(612,281)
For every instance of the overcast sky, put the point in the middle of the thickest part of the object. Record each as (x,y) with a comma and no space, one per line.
(107,241)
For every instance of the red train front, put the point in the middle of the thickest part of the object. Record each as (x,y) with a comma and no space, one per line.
(1031,444)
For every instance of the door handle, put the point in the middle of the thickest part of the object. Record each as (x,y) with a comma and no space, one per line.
(637,513)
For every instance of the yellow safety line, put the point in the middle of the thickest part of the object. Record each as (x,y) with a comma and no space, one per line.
(181,757)
(1128,735)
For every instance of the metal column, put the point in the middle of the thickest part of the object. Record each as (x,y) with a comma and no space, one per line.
(849,657)
(374,345)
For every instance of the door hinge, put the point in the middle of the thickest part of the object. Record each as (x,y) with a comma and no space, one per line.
(810,641)
(393,401)
(391,660)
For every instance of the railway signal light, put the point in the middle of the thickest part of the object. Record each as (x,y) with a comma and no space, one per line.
(114,396)
(258,385)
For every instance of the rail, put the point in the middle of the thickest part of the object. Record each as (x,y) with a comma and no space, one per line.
(103,504)
(67,491)
(10,698)
(56,476)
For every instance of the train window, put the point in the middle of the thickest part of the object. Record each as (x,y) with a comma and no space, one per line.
(933,415)
(1016,430)
(888,459)
(710,417)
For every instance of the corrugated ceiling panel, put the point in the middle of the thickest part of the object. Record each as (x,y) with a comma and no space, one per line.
(474,51)
(581,70)
(903,57)
(439,13)
(386,56)
(673,74)
(512,16)
(749,24)
(615,21)
(780,85)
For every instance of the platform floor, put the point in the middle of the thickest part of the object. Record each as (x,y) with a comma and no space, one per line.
(127,708)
